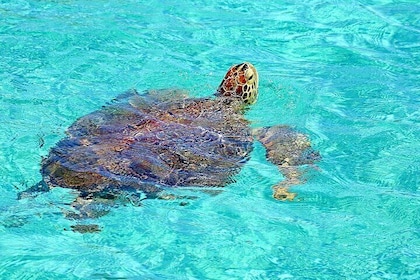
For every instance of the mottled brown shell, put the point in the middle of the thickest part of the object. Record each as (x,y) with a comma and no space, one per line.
(142,142)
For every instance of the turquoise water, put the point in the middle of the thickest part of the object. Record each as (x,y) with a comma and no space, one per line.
(345,72)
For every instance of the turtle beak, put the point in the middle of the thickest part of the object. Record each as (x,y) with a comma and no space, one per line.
(250,89)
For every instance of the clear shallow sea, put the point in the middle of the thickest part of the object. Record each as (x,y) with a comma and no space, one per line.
(345,72)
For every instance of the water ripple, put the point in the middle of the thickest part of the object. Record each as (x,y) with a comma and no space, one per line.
(345,72)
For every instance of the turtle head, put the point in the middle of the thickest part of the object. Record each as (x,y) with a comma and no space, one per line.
(240,81)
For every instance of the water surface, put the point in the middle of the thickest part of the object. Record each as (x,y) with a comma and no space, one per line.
(344,72)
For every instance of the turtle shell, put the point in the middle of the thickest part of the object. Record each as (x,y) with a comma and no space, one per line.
(151,141)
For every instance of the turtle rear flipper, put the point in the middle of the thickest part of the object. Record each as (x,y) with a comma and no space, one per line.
(34,191)
(288,149)
(98,204)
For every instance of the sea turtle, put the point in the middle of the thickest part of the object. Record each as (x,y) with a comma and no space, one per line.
(149,143)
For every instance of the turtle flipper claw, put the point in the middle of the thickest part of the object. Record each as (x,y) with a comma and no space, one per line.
(283,194)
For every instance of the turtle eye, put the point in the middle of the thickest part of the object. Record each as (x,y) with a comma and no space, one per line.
(250,77)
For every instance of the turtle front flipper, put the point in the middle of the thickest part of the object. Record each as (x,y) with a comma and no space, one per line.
(288,149)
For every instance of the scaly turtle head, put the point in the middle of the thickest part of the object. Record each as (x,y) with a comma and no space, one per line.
(241,81)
